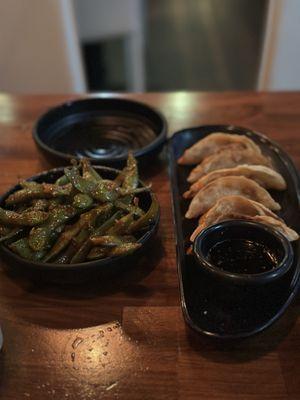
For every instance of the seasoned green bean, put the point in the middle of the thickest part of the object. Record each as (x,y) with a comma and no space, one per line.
(130,208)
(131,179)
(80,217)
(121,226)
(147,219)
(82,252)
(4,230)
(40,204)
(22,248)
(63,240)
(102,190)
(82,201)
(36,205)
(78,248)
(128,177)
(38,191)
(125,192)
(110,240)
(41,237)
(125,248)
(53,203)
(105,190)
(61,181)
(88,172)
(82,226)
(11,234)
(82,185)
(84,238)
(26,218)
(108,223)
(97,253)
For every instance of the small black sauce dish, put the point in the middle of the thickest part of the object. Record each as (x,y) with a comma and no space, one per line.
(101,129)
(243,252)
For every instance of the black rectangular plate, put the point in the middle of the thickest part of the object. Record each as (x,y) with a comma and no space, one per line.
(208,306)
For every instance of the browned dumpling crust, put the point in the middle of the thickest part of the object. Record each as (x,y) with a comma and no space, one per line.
(228,158)
(231,185)
(230,182)
(213,143)
(238,207)
(264,176)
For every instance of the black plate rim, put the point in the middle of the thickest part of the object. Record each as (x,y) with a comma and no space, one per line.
(39,266)
(295,282)
(159,140)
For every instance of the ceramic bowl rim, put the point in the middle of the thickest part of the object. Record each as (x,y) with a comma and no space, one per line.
(262,277)
(158,141)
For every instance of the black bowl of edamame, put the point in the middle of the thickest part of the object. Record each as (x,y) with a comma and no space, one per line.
(68,224)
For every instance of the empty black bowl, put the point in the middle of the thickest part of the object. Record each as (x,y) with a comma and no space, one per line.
(245,248)
(75,273)
(101,129)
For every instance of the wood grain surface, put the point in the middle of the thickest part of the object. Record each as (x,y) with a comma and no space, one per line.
(126,339)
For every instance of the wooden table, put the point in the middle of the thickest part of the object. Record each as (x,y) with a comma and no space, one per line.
(128,340)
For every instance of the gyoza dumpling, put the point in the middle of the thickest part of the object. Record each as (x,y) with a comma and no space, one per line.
(229,157)
(238,207)
(231,207)
(277,224)
(230,185)
(213,143)
(264,176)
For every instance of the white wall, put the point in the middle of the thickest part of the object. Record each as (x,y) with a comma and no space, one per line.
(107,18)
(39,47)
(99,20)
(280,66)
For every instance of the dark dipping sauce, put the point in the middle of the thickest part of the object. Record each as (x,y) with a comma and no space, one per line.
(243,256)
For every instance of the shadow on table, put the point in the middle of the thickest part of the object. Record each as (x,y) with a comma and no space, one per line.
(243,350)
(151,169)
(110,282)
(103,297)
